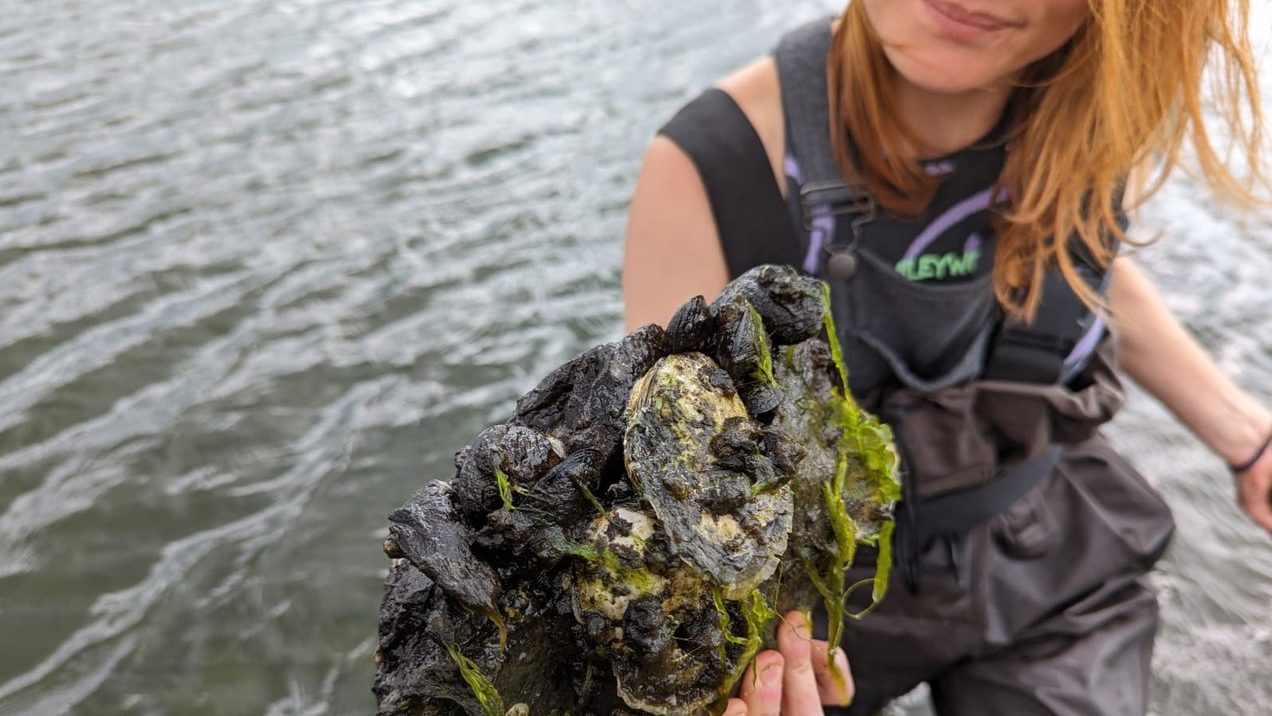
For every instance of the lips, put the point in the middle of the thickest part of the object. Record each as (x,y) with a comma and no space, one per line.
(960,15)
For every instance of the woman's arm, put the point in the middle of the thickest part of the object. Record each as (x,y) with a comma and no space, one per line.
(1161,356)
(672,249)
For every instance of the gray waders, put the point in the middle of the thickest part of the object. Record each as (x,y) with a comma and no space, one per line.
(1039,603)
(1043,608)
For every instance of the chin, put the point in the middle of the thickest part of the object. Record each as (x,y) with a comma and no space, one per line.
(945,73)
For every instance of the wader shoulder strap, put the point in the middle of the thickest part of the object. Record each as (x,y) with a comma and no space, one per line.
(801,66)
(1054,347)
(750,216)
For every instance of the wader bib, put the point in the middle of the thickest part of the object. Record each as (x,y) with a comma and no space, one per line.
(1023,540)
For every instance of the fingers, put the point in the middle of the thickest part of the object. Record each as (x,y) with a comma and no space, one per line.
(762,686)
(795,680)
(800,696)
(834,679)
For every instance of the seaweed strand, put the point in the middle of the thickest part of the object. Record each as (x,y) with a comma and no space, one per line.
(871,442)
(505,488)
(764,364)
(485,691)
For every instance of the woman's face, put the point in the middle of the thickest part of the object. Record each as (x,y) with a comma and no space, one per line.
(953,46)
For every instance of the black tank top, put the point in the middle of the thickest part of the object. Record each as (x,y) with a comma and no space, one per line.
(951,241)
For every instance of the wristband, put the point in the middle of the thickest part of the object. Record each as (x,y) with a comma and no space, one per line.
(1255,458)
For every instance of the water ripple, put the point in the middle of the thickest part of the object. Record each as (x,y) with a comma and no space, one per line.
(264,266)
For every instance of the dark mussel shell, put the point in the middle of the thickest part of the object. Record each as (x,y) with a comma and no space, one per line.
(790,302)
(692,326)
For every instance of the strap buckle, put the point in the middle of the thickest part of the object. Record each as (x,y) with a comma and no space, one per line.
(835,198)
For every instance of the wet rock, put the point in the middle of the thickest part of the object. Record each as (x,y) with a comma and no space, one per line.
(427,532)
(619,545)
(512,454)
(534,526)
(554,405)
(600,426)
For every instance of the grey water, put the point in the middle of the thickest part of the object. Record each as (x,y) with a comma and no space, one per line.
(266,264)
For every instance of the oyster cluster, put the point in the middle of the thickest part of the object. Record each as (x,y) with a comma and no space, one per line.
(624,542)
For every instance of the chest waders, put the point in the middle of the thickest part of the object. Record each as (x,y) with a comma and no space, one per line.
(944,318)
(1023,539)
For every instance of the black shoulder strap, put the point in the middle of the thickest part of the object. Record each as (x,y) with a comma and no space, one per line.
(1060,341)
(1039,352)
(746,202)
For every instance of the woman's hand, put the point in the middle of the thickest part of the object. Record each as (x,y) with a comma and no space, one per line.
(796,679)
(1254,490)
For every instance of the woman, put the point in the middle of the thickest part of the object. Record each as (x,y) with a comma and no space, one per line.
(963,135)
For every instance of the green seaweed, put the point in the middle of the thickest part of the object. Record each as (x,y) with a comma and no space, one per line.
(832,337)
(722,616)
(763,486)
(605,559)
(764,367)
(884,565)
(640,578)
(587,494)
(505,488)
(726,630)
(497,619)
(845,531)
(875,446)
(757,614)
(866,442)
(483,688)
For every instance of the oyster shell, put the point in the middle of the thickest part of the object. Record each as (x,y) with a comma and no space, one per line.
(697,457)
(644,606)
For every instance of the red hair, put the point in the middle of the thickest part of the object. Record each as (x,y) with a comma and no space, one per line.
(1125,91)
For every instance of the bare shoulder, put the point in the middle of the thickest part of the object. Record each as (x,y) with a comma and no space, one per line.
(757,90)
(758,93)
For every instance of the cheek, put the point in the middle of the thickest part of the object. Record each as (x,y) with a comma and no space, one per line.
(893,20)
(877,15)
(1058,22)
(1071,12)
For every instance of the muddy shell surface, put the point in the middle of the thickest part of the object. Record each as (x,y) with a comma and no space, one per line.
(695,454)
(646,607)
